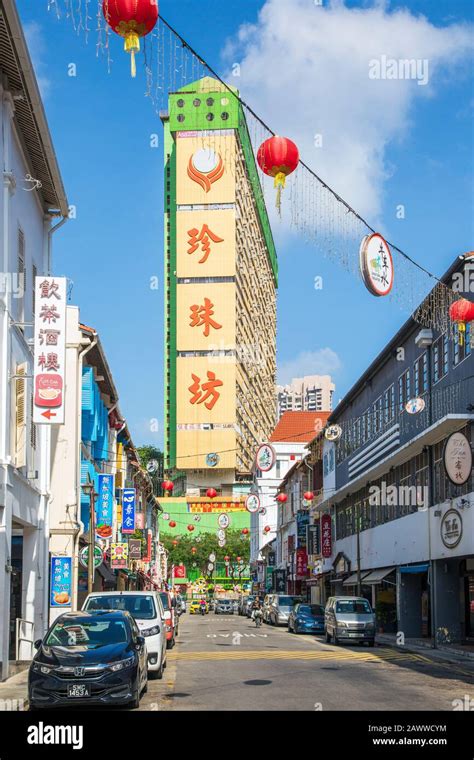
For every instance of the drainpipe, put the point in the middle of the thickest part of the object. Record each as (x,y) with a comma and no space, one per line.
(51,232)
(75,560)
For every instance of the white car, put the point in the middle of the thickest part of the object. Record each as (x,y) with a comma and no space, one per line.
(147,609)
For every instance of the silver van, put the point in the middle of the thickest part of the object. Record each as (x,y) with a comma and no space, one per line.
(280,607)
(349,618)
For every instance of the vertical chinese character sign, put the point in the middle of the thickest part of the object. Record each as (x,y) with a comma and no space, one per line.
(128,510)
(105,505)
(49,350)
(61,582)
(326,535)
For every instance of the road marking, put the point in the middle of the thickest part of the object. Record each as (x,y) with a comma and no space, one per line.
(243,654)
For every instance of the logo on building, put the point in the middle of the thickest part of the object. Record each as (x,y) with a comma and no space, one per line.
(451,528)
(457,458)
(205,167)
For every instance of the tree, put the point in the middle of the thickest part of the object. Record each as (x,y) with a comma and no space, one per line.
(145,455)
(236,546)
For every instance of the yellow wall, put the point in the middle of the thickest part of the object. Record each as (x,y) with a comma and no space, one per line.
(193,445)
(201,149)
(220,260)
(211,326)
(222,409)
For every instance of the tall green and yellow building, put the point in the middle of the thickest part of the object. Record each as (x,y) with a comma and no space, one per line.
(220,294)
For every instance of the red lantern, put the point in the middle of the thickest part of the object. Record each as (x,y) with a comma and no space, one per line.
(267,529)
(167,485)
(282,498)
(172,524)
(131,19)
(193,550)
(278,157)
(239,559)
(175,543)
(211,493)
(461,311)
(190,528)
(308,495)
(245,531)
(226,558)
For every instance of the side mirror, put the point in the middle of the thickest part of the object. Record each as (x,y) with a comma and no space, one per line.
(38,643)
(140,643)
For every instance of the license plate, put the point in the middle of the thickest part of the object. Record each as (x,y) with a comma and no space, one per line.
(78,690)
(355,635)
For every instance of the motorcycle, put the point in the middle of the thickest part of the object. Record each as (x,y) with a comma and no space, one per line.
(203,609)
(258,617)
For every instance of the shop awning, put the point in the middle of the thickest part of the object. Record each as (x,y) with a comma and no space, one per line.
(376,576)
(415,568)
(107,574)
(352,579)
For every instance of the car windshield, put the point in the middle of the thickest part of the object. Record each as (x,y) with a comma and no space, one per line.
(287,601)
(311,609)
(140,606)
(91,634)
(355,606)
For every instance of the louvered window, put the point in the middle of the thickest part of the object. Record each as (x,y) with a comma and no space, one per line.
(20,416)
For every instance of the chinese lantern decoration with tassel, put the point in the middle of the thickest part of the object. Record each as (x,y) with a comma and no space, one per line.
(193,550)
(190,528)
(175,543)
(245,531)
(308,495)
(131,19)
(267,529)
(282,498)
(167,486)
(278,157)
(172,524)
(211,493)
(461,312)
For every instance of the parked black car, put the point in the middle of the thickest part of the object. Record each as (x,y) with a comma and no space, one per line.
(89,658)
(306,618)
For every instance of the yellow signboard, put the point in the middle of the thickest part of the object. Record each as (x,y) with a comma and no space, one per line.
(205,390)
(205,168)
(192,447)
(205,316)
(205,243)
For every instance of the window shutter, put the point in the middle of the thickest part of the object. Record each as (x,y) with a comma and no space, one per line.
(33,426)
(20,416)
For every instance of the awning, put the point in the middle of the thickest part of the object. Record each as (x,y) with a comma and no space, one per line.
(107,574)
(415,568)
(378,575)
(352,579)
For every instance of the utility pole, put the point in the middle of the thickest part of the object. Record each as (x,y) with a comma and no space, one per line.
(359,580)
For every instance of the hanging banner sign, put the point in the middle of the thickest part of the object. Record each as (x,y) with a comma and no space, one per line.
(326,535)
(118,556)
(457,458)
(128,510)
(140,521)
(105,505)
(98,556)
(376,265)
(223,521)
(134,548)
(333,432)
(49,350)
(61,582)
(252,503)
(265,457)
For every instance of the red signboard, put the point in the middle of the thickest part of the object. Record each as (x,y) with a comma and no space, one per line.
(301,563)
(179,571)
(326,535)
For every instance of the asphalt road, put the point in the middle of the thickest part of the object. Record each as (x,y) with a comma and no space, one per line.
(225,663)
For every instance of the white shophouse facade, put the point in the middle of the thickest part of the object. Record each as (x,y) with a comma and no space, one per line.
(26,219)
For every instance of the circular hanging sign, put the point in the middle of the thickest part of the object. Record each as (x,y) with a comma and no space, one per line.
(451,528)
(98,556)
(415,405)
(152,466)
(212,557)
(262,511)
(198,539)
(221,543)
(252,502)
(165,516)
(223,520)
(265,457)
(333,433)
(210,567)
(376,265)
(221,535)
(212,459)
(197,518)
(457,458)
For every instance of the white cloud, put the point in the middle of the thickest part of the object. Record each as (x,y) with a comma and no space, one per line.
(36,46)
(323,361)
(305,71)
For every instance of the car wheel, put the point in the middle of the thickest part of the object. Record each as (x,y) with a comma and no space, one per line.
(372,643)
(134,704)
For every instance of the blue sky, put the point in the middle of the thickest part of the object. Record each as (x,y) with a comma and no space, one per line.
(421,155)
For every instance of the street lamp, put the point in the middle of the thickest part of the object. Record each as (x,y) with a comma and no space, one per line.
(88,488)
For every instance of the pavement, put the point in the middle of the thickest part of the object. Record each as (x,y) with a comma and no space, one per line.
(226,663)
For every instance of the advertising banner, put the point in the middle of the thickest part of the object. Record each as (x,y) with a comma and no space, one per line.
(61,582)
(118,555)
(49,350)
(105,505)
(128,510)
